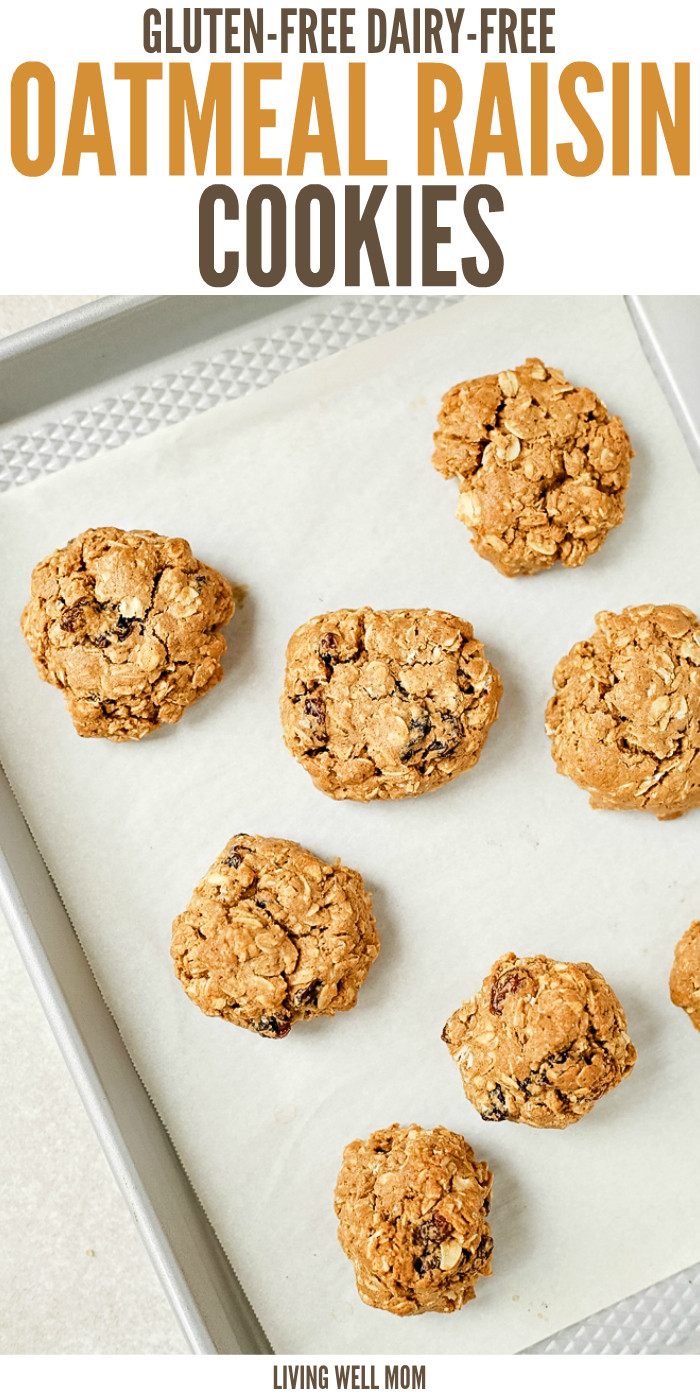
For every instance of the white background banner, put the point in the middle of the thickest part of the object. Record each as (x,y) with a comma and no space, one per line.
(605,88)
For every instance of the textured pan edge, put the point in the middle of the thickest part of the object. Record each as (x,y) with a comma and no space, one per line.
(252,362)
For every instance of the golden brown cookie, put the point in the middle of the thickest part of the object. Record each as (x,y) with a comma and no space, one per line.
(684,982)
(126,622)
(412,1207)
(387,704)
(541,466)
(273,935)
(540,1043)
(625,717)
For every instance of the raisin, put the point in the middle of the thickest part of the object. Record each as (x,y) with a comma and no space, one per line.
(431,1233)
(503,986)
(328,645)
(420,724)
(308,996)
(316,710)
(274,1027)
(484,1249)
(125,626)
(464,669)
(438,747)
(435,1229)
(101,641)
(453,732)
(234,859)
(72,618)
(447,745)
(498,1111)
(419,727)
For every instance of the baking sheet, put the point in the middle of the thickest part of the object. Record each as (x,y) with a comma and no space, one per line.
(314,494)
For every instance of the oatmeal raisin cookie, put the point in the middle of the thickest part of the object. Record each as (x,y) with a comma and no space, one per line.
(540,1043)
(624,720)
(412,1207)
(541,466)
(273,935)
(126,623)
(387,704)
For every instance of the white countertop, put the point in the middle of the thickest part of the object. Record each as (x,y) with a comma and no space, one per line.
(74,1276)
(16,313)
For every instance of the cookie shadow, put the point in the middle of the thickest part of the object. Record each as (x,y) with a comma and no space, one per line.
(239,635)
(644,1021)
(379,986)
(509,1217)
(376,990)
(508,731)
(646,1025)
(237,659)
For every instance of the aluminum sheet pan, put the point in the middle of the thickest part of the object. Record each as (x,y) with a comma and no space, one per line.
(194,359)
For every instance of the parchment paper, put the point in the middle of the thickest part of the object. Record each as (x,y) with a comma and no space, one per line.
(314,494)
